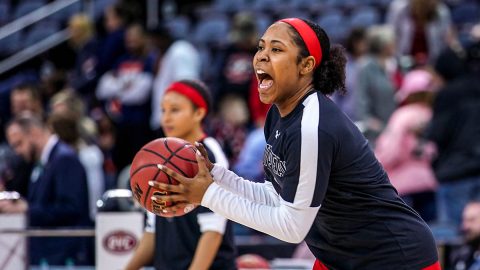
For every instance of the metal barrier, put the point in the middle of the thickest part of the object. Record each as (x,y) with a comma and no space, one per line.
(51,233)
(116,236)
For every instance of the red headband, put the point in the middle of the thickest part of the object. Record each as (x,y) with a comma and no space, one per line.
(308,36)
(190,92)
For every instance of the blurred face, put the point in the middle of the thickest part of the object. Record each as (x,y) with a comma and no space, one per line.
(22,101)
(471,222)
(276,65)
(180,118)
(21,142)
(78,30)
(112,21)
(134,39)
(361,47)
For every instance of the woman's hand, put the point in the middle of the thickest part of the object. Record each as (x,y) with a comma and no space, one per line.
(188,190)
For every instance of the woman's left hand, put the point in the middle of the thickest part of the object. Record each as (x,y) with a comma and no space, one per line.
(188,190)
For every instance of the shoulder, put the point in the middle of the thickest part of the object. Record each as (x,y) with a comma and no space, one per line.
(63,150)
(215,150)
(182,47)
(63,153)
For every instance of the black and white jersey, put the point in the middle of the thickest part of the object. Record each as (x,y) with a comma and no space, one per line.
(176,238)
(325,185)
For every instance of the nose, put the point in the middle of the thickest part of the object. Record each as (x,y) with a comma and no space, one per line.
(261,56)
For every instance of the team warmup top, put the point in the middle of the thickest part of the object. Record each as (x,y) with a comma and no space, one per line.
(325,186)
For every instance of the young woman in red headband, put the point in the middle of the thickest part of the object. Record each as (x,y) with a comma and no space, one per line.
(323,182)
(200,239)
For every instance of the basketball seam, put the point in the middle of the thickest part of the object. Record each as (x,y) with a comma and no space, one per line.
(166,159)
(149,188)
(176,151)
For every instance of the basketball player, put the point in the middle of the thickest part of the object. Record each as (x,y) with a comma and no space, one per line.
(200,239)
(323,183)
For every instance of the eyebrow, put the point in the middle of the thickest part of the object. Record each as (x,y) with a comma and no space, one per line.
(273,41)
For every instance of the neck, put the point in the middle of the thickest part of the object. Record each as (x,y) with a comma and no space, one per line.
(291,102)
(195,136)
(42,142)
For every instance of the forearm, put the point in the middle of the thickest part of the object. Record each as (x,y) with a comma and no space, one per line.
(283,221)
(206,251)
(262,193)
(143,253)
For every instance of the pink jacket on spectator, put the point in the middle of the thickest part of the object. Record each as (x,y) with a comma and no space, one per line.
(401,152)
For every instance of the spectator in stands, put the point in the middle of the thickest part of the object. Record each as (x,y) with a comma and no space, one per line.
(69,122)
(178,60)
(249,164)
(423,28)
(402,148)
(230,126)
(234,72)
(58,194)
(356,46)
(375,91)
(126,92)
(15,171)
(468,256)
(84,76)
(454,129)
(26,98)
(112,46)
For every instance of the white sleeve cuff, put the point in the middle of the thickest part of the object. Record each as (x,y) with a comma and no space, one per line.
(209,194)
(212,222)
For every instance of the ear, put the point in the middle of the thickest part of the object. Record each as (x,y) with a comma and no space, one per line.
(199,114)
(307,65)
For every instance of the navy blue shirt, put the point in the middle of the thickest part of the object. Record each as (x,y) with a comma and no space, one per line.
(362,222)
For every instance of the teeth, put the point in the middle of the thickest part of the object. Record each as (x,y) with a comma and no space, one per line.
(259,71)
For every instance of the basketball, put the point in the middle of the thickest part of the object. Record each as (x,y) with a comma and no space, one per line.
(176,154)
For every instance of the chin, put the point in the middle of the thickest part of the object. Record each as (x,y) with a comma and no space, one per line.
(266,100)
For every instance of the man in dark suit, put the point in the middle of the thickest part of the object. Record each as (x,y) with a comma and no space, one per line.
(58,194)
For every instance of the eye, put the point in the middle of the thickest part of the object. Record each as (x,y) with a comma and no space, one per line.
(276,50)
(259,48)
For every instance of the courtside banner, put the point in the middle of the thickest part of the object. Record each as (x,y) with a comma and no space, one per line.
(116,237)
(13,254)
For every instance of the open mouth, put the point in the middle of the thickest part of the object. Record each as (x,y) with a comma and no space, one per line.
(265,81)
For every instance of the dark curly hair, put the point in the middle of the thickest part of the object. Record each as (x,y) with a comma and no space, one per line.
(329,76)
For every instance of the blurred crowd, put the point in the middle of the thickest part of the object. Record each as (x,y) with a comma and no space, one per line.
(413,81)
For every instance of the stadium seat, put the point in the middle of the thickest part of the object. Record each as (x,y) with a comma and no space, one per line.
(100,5)
(335,24)
(295,13)
(228,6)
(26,7)
(301,4)
(263,22)
(39,32)
(179,26)
(342,3)
(268,5)
(365,17)
(4,12)
(212,31)
(64,14)
(10,44)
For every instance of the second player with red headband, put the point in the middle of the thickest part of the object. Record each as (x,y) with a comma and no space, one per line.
(201,239)
(323,182)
